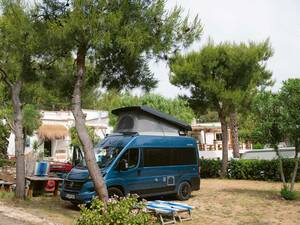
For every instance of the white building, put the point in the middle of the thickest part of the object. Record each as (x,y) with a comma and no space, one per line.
(209,136)
(53,136)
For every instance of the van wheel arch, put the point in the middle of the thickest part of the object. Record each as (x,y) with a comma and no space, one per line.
(184,190)
(116,190)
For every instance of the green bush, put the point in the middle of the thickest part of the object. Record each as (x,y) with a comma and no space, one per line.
(6,162)
(287,194)
(210,168)
(248,169)
(258,146)
(119,211)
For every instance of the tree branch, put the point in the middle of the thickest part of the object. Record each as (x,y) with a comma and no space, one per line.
(5,78)
(11,126)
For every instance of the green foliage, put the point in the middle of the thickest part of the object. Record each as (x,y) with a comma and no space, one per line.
(31,119)
(126,210)
(6,162)
(210,168)
(289,96)
(4,135)
(247,169)
(276,116)
(269,118)
(19,42)
(287,194)
(254,170)
(258,146)
(4,195)
(222,77)
(105,33)
(176,107)
(260,169)
(209,116)
(75,139)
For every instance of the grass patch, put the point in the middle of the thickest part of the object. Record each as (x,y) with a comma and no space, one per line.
(48,207)
(288,195)
(7,195)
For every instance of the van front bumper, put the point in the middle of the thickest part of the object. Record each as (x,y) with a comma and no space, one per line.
(77,197)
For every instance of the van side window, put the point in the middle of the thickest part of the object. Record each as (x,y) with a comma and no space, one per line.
(169,156)
(132,157)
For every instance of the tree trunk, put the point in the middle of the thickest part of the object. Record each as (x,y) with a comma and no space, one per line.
(83,135)
(19,140)
(224,144)
(234,134)
(297,146)
(280,165)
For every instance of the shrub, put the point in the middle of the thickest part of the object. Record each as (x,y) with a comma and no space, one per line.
(258,146)
(248,169)
(126,210)
(210,168)
(6,162)
(287,194)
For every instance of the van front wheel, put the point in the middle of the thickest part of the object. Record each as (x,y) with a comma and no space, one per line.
(112,191)
(184,191)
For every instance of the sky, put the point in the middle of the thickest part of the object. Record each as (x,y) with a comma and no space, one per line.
(242,21)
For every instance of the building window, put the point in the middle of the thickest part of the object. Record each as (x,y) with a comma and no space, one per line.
(219,137)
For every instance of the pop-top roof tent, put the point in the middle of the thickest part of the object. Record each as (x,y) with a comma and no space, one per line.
(146,120)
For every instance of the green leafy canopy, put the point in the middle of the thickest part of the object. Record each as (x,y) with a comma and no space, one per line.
(176,107)
(224,75)
(119,37)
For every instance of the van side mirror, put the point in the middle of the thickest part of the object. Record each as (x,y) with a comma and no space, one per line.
(123,165)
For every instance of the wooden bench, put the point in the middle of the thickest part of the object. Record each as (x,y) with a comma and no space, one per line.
(38,184)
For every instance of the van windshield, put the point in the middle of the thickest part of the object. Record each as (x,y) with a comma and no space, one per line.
(108,149)
(105,156)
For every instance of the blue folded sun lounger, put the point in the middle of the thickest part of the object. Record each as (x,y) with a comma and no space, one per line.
(171,210)
(166,214)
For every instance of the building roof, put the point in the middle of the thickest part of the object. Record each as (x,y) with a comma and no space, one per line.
(52,132)
(156,114)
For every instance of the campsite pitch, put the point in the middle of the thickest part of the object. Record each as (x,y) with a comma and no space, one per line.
(218,202)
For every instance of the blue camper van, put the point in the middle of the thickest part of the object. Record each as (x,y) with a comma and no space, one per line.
(138,159)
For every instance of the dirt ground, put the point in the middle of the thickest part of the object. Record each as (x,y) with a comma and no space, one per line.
(218,202)
(242,202)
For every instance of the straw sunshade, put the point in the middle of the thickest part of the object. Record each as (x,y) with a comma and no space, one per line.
(52,132)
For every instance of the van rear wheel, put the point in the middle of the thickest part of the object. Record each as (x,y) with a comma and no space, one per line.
(184,191)
(114,191)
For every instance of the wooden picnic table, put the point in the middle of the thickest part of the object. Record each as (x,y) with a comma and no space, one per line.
(40,183)
(6,185)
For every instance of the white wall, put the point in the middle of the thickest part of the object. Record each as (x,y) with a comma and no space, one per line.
(267,154)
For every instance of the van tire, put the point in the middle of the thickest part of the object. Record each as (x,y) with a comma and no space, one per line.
(75,204)
(184,191)
(115,191)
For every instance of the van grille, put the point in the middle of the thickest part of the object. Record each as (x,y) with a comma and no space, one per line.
(73,185)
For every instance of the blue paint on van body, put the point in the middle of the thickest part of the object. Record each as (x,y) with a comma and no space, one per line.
(157,166)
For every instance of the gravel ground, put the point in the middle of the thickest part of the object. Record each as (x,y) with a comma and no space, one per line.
(10,221)
(17,215)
